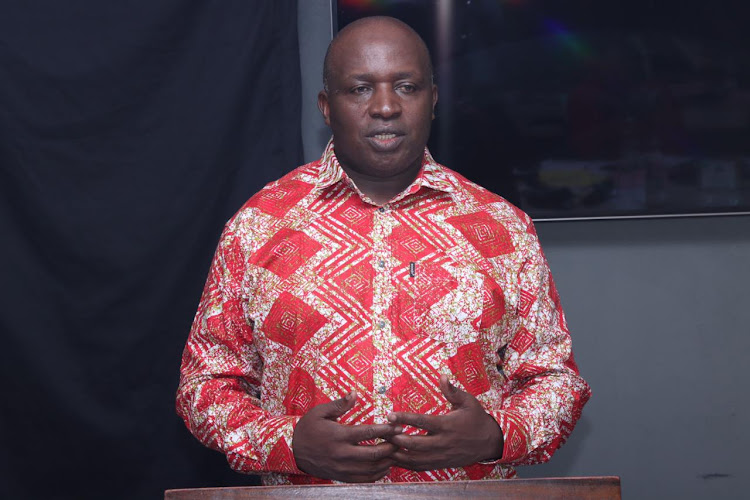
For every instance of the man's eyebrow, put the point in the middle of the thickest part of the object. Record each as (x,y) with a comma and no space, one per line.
(368,77)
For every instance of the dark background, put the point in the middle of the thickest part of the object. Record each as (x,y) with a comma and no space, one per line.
(129,133)
(590,108)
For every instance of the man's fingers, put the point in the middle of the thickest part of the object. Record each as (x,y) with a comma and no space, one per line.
(412,461)
(337,407)
(359,433)
(367,463)
(415,443)
(453,394)
(430,423)
(376,455)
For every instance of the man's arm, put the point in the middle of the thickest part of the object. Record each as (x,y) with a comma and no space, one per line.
(219,391)
(218,395)
(543,393)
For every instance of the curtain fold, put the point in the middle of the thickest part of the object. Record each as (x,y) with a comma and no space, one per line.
(129,133)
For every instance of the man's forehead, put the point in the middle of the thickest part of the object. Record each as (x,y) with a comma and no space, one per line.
(399,55)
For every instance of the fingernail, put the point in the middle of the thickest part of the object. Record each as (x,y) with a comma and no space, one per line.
(350,396)
(398,430)
(391,417)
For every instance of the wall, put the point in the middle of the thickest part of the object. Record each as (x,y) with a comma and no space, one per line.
(659,314)
(315,31)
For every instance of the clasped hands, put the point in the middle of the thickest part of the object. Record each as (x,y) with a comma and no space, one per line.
(326,449)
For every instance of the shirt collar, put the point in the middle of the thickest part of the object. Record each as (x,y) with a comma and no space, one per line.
(432,174)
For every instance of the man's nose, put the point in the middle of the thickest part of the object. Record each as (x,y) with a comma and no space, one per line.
(385,104)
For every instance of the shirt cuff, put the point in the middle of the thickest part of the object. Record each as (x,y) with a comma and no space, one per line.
(266,446)
(515,436)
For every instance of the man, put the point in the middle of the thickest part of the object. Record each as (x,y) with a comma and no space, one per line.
(374,315)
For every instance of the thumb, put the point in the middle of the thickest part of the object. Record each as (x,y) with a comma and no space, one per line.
(453,394)
(338,407)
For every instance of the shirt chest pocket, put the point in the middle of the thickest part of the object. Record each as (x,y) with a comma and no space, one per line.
(440,299)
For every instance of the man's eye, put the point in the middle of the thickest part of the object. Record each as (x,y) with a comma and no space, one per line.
(407,88)
(360,90)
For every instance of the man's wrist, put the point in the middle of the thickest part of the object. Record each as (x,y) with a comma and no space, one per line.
(496,442)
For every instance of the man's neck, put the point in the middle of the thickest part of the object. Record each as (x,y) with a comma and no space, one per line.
(382,190)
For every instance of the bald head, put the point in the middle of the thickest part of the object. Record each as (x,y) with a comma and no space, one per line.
(368,25)
(379,102)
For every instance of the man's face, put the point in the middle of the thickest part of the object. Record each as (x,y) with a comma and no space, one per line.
(380,100)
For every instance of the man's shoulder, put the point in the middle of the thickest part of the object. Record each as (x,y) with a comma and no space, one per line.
(275,200)
(479,195)
(277,197)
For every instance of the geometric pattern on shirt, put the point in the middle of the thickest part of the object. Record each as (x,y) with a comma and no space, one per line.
(278,202)
(303,394)
(306,253)
(467,364)
(291,322)
(527,301)
(493,307)
(522,340)
(418,295)
(285,252)
(415,390)
(410,246)
(489,237)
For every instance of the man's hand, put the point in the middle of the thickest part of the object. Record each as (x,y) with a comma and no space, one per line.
(464,436)
(324,448)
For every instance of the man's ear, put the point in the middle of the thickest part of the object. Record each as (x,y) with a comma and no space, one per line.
(323,106)
(434,99)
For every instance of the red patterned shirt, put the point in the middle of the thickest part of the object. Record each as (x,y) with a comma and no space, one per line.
(315,291)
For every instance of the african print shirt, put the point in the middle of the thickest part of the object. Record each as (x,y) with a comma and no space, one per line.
(315,291)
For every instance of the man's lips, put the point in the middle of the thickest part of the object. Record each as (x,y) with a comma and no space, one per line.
(385,141)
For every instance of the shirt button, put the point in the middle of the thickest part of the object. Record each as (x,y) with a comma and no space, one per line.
(381,209)
(381,324)
(381,264)
(381,389)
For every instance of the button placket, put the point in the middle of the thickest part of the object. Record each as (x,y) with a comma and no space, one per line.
(382,368)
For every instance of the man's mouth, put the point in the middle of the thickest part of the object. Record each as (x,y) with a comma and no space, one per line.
(385,142)
(384,137)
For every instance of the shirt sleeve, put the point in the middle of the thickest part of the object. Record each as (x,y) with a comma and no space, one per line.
(218,394)
(544,394)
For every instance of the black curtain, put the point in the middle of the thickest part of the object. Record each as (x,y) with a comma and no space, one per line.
(129,133)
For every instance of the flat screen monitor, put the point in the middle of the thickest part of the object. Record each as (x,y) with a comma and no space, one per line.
(588,108)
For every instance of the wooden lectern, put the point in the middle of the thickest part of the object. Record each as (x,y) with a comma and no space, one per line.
(585,488)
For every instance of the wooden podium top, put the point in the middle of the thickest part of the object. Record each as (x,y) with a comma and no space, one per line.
(586,488)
